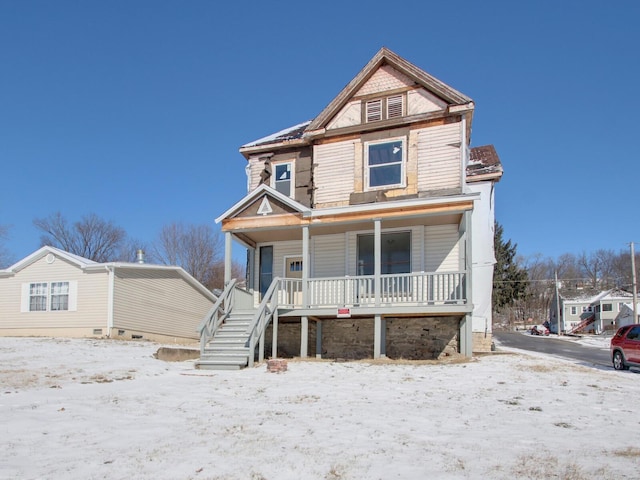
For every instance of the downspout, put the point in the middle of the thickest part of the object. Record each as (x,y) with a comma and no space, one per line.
(110,294)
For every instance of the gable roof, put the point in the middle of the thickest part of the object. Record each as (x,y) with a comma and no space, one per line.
(77,260)
(262,189)
(86,264)
(298,133)
(386,56)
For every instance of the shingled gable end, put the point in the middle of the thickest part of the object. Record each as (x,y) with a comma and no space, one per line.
(369,229)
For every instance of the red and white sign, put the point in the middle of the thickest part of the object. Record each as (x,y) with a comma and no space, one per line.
(344,313)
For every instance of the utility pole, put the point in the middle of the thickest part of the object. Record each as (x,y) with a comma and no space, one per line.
(558,305)
(634,284)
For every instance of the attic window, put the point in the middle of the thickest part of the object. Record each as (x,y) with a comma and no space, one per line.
(384,108)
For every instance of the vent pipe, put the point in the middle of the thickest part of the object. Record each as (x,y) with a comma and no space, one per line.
(140,256)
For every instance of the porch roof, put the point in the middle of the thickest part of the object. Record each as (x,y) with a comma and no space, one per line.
(273,227)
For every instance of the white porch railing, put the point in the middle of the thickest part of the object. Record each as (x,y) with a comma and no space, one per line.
(396,289)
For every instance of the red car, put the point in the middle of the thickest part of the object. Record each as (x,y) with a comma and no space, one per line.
(625,347)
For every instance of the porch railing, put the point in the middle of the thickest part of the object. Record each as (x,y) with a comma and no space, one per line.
(395,289)
(216,315)
(263,316)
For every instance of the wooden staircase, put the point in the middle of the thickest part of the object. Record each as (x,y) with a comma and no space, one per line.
(229,348)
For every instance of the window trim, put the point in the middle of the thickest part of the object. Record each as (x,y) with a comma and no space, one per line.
(402,163)
(71,294)
(292,176)
(573,310)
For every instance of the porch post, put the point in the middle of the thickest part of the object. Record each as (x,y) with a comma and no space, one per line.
(377,335)
(274,341)
(383,337)
(304,337)
(227,258)
(377,255)
(466,336)
(305,265)
(319,339)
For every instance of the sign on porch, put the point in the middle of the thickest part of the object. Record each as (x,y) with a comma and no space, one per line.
(344,313)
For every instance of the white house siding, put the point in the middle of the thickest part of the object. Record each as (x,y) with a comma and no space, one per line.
(328,256)
(442,248)
(91,301)
(334,172)
(439,160)
(158,302)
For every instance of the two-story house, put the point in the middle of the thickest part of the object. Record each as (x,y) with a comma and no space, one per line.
(369,229)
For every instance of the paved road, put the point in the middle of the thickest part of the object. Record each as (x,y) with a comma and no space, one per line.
(588,356)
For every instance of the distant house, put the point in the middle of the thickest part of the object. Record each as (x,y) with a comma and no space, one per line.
(369,229)
(587,311)
(625,315)
(55,293)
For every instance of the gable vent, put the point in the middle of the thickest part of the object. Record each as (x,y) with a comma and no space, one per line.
(374,110)
(394,106)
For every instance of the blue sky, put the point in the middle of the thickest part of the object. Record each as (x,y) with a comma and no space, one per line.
(135,110)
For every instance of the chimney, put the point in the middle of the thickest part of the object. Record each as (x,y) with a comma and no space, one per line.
(140,256)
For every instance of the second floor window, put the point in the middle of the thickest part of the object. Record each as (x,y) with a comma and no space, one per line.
(282,179)
(384,163)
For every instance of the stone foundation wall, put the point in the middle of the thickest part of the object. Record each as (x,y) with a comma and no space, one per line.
(482,342)
(421,338)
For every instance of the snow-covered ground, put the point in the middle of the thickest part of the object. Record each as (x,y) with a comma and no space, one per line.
(99,409)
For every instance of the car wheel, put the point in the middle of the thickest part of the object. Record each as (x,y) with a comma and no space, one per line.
(618,361)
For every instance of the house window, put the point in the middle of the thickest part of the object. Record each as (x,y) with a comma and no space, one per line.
(48,296)
(385,164)
(384,108)
(59,296)
(607,307)
(584,309)
(574,310)
(38,295)
(395,252)
(282,179)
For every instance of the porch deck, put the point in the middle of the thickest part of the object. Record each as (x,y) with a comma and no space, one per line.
(406,292)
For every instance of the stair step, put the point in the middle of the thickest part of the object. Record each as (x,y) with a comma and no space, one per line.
(205,365)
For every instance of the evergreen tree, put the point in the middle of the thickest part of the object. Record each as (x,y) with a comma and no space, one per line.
(510,281)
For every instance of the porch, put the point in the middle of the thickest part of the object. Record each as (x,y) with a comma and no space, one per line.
(234,331)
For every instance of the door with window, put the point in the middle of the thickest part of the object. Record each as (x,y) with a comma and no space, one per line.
(293,270)
(265,269)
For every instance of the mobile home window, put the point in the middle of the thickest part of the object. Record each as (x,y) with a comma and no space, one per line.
(59,295)
(38,295)
(385,164)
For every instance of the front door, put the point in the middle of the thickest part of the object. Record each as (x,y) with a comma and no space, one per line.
(293,269)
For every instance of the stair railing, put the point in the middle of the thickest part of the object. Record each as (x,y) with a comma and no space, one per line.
(216,315)
(256,329)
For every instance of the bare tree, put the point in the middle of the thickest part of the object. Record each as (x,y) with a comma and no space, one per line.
(196,248)
(4,254)
(91,237)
